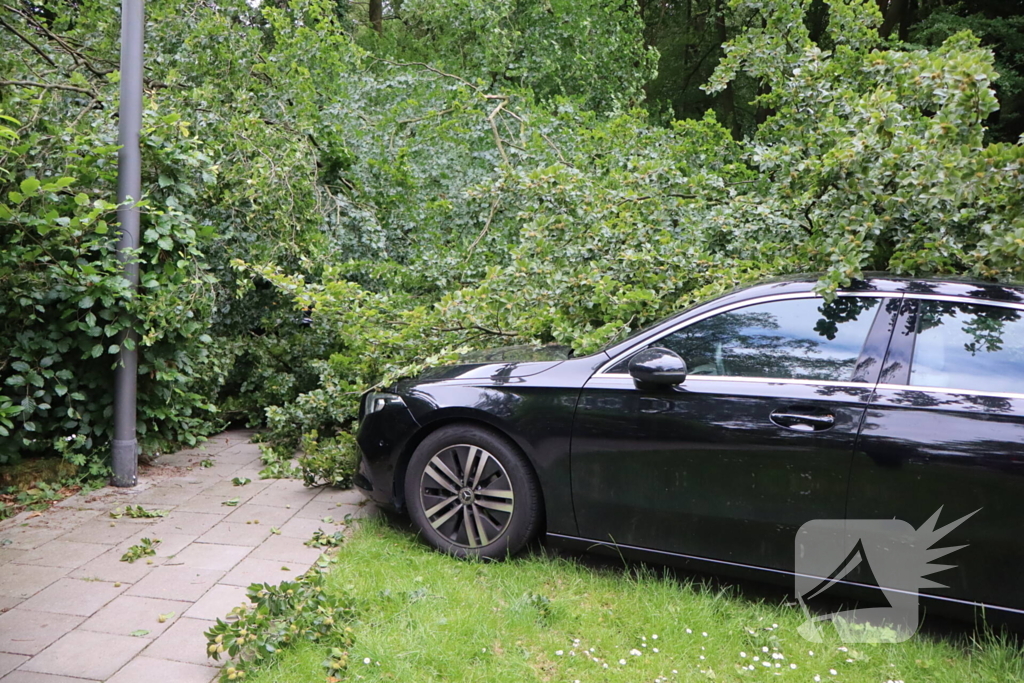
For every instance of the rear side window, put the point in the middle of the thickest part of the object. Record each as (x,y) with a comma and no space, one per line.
(791,339)
(968,346)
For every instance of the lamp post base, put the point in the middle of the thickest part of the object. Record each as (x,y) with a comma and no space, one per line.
(125,463)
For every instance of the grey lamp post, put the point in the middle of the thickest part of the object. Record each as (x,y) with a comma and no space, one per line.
(124,457)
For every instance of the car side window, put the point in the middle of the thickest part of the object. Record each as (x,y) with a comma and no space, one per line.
(968,346)
(789,339)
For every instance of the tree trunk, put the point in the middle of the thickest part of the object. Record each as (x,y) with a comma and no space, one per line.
(377,15)
(896,14)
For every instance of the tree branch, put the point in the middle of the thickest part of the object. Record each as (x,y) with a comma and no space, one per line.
(28,42)
(48,86)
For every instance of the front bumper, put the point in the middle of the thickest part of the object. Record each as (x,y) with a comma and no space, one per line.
(383,440)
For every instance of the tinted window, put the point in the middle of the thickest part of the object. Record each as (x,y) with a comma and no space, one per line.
(967,346)
(794,339)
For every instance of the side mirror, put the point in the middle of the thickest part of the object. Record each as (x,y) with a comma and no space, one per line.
(657,366)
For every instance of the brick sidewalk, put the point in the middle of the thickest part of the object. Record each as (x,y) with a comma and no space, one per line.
(69,606)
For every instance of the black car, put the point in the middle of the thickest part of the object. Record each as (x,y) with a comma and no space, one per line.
(710,438)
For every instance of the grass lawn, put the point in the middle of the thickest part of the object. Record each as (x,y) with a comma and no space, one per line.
(427,617)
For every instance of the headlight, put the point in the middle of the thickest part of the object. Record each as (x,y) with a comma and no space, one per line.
(376,401)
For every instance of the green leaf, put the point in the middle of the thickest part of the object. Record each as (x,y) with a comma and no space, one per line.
(138,633)
(29,185)
(86,302)
(5,213)
(81,199)
(165,243)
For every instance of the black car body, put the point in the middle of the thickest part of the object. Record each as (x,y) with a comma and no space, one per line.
(899,398)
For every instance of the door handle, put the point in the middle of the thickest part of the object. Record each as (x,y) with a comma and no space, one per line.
(800,421)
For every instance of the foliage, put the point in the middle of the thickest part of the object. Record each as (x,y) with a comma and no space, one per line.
(64,304)
(322,539)
(283,616)
(589,49)
(137,512)
(144,548)
(331,461)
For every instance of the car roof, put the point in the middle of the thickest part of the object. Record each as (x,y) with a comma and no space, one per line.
(887,284)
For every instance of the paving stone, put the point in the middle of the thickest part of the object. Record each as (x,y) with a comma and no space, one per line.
(171,493)
(249,535)
(298,527)
(225,490)
(324,509)
(151,669)
(7,602)
(69,554)
(130,613)
(211,505)
(218,602)
(100,499)
(30,537)
(104,532)
(286,550)
(252,570)
(346,496)
(183,642)
(182,458)
(10,554)
(24,530)
(21,676)
(265,514)
(74,596)
(252,471)
(9,663)
(176,583)
(236,461)
(109,567)
(242,450)
(189,523)
(23,632)
(24,580)
(86,654)
(210,556)
(284,492)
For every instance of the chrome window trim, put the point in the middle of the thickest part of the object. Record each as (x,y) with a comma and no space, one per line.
(948,390)
(603,372)
(753,380)
(963,300)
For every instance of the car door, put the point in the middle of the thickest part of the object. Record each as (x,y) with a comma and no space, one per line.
(945,432)
(756,441)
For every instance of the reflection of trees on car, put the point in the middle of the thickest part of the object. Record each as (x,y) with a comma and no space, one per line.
(751,343)
(984,324)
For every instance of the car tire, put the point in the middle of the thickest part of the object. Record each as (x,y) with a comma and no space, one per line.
(471,493)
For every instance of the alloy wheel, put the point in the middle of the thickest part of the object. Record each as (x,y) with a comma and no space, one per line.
(466,495)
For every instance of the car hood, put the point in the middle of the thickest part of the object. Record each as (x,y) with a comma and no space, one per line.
(500,364)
